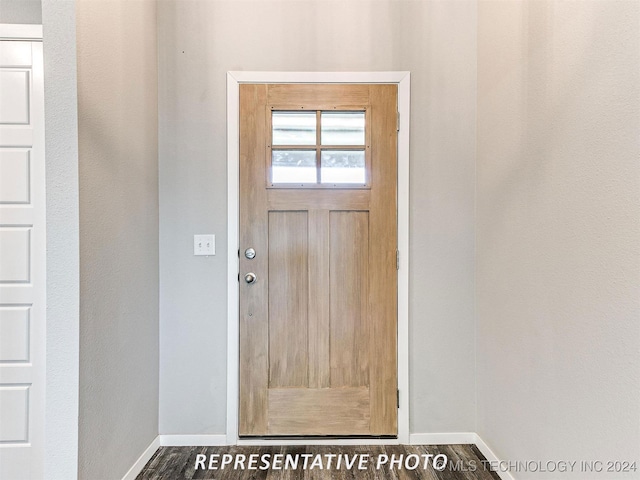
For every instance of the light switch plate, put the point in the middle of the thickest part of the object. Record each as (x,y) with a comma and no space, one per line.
(204,244)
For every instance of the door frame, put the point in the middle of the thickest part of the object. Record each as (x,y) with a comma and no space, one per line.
(234,79)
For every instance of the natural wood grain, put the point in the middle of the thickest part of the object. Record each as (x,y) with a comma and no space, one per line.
(318,97)
(404,473)
(349,298)
(319,366)
(254,318)
(325,411)
(288,299)
(382,266)
(327,199)
(288,474)
(188,470)
(466,454)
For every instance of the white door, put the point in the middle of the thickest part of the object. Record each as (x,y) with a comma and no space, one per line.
(22,260)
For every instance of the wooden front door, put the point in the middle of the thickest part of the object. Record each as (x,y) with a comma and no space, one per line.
(318,273)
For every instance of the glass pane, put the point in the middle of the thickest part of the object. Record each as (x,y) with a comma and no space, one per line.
(342,128)
(342,166)
(293,166)
(294,128)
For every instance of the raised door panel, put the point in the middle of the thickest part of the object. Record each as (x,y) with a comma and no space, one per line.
(14,333)
(15,254)
(15,176)
(14,97)
(14,414)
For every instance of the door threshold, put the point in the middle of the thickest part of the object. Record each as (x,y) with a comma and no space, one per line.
(318,437)
(317,440)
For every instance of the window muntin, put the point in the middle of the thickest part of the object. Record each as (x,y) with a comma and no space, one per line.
(319,149)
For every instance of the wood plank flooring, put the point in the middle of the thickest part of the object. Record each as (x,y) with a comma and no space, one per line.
(464,462)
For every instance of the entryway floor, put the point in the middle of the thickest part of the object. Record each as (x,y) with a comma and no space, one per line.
(370,462)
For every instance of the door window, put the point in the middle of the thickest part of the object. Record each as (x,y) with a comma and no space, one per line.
(319,149)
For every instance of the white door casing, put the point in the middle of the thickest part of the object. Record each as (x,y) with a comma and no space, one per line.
(22,259)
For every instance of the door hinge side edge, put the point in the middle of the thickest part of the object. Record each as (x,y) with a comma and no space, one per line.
(398,122)
(398,397)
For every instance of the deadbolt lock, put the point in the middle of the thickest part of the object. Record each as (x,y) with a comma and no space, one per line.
(250,253)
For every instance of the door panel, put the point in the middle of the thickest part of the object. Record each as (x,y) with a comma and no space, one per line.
(319,308)
(323,96)
(311,360)
(288,300)
(348,298)
(341,411)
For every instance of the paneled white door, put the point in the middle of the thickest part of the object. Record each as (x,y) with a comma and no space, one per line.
(22,260)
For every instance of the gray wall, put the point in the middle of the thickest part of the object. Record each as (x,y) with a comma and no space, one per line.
(20,11)
(558,231)
(61,146)
(117,115)
(199,41)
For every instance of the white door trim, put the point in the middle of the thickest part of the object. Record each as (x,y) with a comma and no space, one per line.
(234,79)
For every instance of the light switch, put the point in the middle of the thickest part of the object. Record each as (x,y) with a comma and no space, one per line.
(204,244)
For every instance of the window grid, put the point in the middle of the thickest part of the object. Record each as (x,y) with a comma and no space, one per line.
(319,148)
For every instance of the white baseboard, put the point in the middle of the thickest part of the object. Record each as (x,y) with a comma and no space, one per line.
(193,440)
(453,438)
(142,461)
(490,456)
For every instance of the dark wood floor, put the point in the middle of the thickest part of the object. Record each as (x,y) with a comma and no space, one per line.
(464,462)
